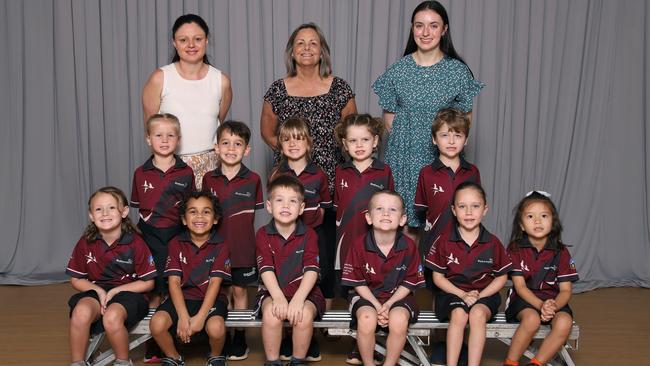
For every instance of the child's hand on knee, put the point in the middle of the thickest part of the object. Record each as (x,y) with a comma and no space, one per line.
(294,311)
(279,308)
(101,294)
(183,331)
(470,298)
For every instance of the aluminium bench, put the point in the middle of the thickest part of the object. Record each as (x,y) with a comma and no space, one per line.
(336,322)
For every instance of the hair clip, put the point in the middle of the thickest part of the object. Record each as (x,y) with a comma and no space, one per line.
(545,194)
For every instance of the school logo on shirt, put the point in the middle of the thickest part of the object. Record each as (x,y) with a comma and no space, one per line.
(378,186)
(401,268)
(524,267)
(147,186)
(437,189)
(343,183)
(370,269)
(427,225)
(182,259)
(180,184)
(308,191)
(572,264)
(452,259)
(90,258)
(243,194)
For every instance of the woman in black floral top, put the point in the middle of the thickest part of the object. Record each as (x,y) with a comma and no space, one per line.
(310,91)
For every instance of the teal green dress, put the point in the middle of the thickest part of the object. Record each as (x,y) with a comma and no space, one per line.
(415,94)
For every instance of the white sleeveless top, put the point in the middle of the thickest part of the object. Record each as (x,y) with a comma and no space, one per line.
(196,104)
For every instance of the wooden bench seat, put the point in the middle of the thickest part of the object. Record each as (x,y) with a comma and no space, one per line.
(337,323)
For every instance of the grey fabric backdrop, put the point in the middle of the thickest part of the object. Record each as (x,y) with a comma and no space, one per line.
(564,109)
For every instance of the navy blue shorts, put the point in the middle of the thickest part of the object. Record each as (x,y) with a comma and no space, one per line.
(518,304)
(220,308)
(446,302)
(136,306)
(406,303)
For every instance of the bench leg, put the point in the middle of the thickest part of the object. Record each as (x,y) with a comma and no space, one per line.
(95,342)
(108,356)
(416,343)
(566,357)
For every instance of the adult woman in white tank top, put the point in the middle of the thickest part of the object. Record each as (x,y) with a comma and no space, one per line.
(192,90)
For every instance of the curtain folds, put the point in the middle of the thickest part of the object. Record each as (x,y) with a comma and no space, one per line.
(564,109)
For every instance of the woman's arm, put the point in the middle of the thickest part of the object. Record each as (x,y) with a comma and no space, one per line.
(151,94)
(226,97)
(388,120)
(350,108)
(268,126)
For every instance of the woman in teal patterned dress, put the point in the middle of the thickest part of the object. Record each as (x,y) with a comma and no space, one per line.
(431,76)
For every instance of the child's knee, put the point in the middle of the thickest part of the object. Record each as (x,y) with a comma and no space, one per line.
(562,323)
(458,316)
(159,323)
(215,327)
(113,319)
(398,320)
(82,314)
(530,320)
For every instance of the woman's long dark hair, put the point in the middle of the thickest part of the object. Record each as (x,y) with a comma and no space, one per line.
(186,19)
(446,44)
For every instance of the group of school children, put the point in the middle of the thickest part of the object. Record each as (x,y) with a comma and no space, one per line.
(197,251)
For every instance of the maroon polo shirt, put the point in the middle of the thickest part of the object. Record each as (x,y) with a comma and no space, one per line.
(108,266)
(289,259)
(317,194)
(239,198)
(352,192)
(157,194)
(469,267)
(434,195)
(196,265)
(366,265)
(543,271)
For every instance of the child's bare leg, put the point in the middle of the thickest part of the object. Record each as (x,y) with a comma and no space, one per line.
(529,322)
(303,331)
(116,332)
(271,331)
(240,297)
(479,314)
(159,326)
(154,300)
(366,326)
(83,315)
(216,329)
(398,323)
(560,329)
(457,322)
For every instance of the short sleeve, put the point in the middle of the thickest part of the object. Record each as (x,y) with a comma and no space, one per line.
(259,196)
(263,250)
(173,264)
(77,265)
(414,272)
(566,270)
(135,199)
(221,265)
(310,257)
(385,89)
(515,257)
(501,261)
(352,273)
(391,181)
(420,204)
(325,198)
(144,265)
(435,259)
(342,92)
(274,95)
(468,89)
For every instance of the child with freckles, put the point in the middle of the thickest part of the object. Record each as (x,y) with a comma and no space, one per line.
(384,269)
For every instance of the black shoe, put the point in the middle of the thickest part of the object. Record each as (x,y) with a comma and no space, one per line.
(297,362)
(313,353)
(273,363)
(378,358)
(286,348)
(216,361)
(439,354)
(168,361)
(238,348)
(354,357)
